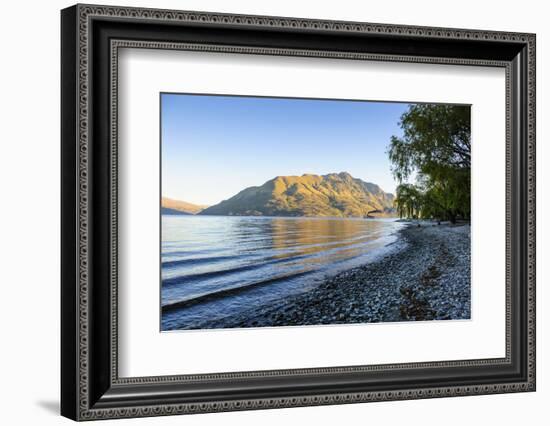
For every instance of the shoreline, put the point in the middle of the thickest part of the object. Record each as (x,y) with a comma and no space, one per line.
(427,279)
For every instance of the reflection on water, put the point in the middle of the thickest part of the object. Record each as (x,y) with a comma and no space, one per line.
(229,264)
(316,235)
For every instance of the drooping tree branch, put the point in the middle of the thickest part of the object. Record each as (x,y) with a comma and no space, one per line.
(436,146)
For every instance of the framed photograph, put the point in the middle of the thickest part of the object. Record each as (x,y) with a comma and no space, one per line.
(263,212)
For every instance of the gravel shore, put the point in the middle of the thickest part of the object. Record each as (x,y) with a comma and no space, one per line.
(427,278)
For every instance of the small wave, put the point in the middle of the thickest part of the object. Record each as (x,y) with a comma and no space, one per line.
(181,279)
(207,297)
(197,261)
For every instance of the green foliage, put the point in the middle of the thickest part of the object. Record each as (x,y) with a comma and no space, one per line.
(435,147)
(408,201)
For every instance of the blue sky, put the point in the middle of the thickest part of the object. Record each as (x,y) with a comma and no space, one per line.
(215,146)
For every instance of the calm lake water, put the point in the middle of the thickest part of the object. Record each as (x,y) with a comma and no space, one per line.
(217,266)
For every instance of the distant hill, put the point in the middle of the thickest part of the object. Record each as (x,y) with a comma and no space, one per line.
(170,206)
(332,195)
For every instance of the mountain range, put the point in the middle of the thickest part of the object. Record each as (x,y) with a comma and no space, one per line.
(331,195)
(171,206)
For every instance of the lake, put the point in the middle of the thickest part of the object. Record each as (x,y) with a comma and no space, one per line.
(217,266)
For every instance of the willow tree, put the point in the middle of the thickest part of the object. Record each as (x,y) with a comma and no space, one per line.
(436,148)
(408,201)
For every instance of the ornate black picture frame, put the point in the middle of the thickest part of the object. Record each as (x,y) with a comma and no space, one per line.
(91,387)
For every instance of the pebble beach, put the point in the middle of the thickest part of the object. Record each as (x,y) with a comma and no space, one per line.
(425,277)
